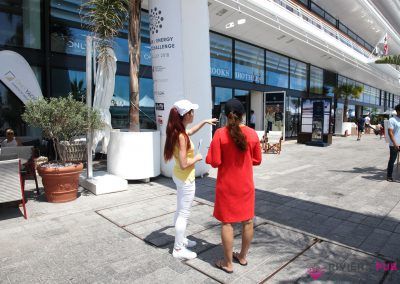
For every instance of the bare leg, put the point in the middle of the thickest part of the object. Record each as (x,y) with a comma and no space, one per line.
(247,237)
(227,244)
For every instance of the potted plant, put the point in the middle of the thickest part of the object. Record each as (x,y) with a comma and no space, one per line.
(62,120)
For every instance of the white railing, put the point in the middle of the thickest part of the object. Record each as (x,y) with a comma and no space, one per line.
(326,28)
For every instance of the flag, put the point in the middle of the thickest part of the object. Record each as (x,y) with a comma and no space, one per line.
(385,45)
(382,48)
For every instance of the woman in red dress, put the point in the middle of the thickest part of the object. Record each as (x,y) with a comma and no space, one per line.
(234,149)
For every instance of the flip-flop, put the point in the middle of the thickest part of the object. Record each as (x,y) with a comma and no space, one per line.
(218,264)
(236,259)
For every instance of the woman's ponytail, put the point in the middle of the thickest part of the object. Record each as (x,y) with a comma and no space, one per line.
(235,132)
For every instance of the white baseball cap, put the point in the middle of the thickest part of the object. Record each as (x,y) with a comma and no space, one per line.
(184,106)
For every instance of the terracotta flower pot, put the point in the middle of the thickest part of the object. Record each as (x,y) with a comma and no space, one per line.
(61,184)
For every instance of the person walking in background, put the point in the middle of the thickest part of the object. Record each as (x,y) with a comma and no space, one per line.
(394,141)
(179,146)
(10,140)
(368,124)
(252,123)
(360,127)
(234,150)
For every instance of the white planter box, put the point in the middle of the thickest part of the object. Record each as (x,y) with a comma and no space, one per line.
(134,155)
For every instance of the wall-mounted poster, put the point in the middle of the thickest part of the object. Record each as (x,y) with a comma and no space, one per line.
(307,115)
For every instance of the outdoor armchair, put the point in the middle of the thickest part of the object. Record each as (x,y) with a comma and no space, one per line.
(273,142)
(11,184)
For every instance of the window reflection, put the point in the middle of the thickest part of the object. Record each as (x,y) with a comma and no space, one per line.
(68,82)
(277,70)
(20,23)
(249,63)
(68,34)
(298,75)
(221,56)
(316,80)
(120,103)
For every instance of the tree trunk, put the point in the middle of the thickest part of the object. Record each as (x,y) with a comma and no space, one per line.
(134,63)
(345,108)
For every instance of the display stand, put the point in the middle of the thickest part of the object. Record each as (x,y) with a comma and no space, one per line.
(316,122)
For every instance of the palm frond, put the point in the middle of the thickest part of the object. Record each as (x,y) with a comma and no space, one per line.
(105,18)
(391,59)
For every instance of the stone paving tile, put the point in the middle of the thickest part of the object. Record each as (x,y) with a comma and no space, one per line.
(160,230)
(272,247)
(336,263)
(140,211)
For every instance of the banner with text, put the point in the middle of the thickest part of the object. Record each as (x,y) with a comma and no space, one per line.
(18,76)
(166,53)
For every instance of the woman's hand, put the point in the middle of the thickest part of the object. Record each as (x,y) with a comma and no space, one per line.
(212,121)
(198,157)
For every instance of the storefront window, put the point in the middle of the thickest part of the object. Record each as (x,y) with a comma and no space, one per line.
(316,80)
(277,70)
(68,34)
(11,109)
(298,75)
(221,56)
(68,82)
(20,23)
(292,116)
(249,63)
(222,95)
(120,103)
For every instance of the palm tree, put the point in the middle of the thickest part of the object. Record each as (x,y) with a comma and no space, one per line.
(105,18)
(391,59)
(346,92)
(134,63)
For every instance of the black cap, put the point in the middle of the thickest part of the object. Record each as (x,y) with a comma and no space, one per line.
(235,106)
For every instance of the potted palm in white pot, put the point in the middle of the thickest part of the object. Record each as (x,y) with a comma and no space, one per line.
(62,120)
(131,153)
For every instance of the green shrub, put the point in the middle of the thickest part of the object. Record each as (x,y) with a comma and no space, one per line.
(61,119)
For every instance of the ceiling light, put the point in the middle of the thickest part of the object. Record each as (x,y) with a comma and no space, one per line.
(241,21)
(229,25)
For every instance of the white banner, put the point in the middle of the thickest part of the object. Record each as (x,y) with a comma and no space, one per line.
(166,53)
(18,76)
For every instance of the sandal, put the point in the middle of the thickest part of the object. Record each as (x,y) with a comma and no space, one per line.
(218,264)
(235,257)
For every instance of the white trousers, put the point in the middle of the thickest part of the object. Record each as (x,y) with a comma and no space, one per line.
(184,199)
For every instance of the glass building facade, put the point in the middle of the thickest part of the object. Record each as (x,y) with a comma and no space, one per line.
(51,36)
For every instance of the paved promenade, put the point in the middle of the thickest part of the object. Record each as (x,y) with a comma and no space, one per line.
(322,213)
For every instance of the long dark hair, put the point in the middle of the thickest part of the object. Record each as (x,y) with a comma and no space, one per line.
(175,127)
(235,132)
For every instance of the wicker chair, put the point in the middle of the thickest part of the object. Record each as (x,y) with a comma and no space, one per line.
(11,185)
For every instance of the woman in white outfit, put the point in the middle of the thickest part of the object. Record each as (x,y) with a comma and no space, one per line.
(179,146)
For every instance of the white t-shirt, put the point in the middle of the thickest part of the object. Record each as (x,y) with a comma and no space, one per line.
(5,143)
(367,120)
(253,118)
(394,123)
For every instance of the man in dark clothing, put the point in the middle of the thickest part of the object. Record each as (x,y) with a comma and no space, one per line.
(360,126)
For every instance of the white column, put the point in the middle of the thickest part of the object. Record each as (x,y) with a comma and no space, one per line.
(179,36)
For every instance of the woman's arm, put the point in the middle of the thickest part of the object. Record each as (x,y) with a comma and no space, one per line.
(197,127)
(184,161)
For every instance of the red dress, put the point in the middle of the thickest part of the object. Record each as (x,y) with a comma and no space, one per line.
(235,194)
